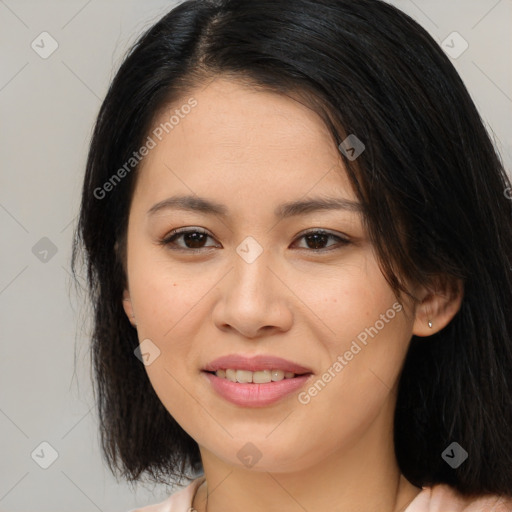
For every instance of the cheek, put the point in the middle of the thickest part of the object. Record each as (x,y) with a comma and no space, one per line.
(365,344)
(347,299)
(167,304)
(164,294)
(169,313)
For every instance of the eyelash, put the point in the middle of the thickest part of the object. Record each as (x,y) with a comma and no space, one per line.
(168,241)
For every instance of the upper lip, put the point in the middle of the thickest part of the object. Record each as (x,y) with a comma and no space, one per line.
(255,363)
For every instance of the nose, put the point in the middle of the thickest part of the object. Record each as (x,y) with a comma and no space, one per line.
(255,300)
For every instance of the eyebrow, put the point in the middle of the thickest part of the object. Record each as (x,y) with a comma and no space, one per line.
(285,210)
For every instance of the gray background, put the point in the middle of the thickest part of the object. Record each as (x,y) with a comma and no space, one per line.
(48,107)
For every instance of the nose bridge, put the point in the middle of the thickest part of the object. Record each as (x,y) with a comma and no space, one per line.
(253,299)
(251,262)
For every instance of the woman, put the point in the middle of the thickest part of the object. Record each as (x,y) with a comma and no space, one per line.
(298,243)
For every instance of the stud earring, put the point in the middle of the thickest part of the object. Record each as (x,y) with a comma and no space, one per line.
(429,321)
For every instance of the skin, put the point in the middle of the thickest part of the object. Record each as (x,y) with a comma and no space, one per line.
(253,150)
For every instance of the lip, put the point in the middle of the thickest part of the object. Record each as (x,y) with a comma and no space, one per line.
(255,395)
(255,363)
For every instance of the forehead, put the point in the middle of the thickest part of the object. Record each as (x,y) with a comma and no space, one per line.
(237,138)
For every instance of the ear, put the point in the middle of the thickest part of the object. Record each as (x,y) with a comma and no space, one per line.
(128,307)
(438,306)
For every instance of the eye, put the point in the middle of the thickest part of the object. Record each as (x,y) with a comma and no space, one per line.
(317,239)
(194,240)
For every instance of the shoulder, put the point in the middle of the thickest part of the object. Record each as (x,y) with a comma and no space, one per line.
(180,501)
(444,498)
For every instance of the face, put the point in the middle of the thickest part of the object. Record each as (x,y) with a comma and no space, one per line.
(249,282)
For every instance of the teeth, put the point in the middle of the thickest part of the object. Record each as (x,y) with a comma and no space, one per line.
(259,377)
(243,376)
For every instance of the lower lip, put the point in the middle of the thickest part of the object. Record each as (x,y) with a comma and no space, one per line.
(255,395)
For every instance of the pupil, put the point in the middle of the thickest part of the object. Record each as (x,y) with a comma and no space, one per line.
(316,238)
(194,239)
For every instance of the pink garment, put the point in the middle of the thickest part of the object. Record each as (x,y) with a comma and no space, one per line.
(439,498)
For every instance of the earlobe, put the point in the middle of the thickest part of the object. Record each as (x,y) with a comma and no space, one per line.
(128,307)
(438,308)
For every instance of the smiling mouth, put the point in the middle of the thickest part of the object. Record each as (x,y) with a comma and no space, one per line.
(257,377)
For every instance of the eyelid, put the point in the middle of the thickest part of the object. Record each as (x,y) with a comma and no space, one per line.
(166,241)
(343,240)
(322,231)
